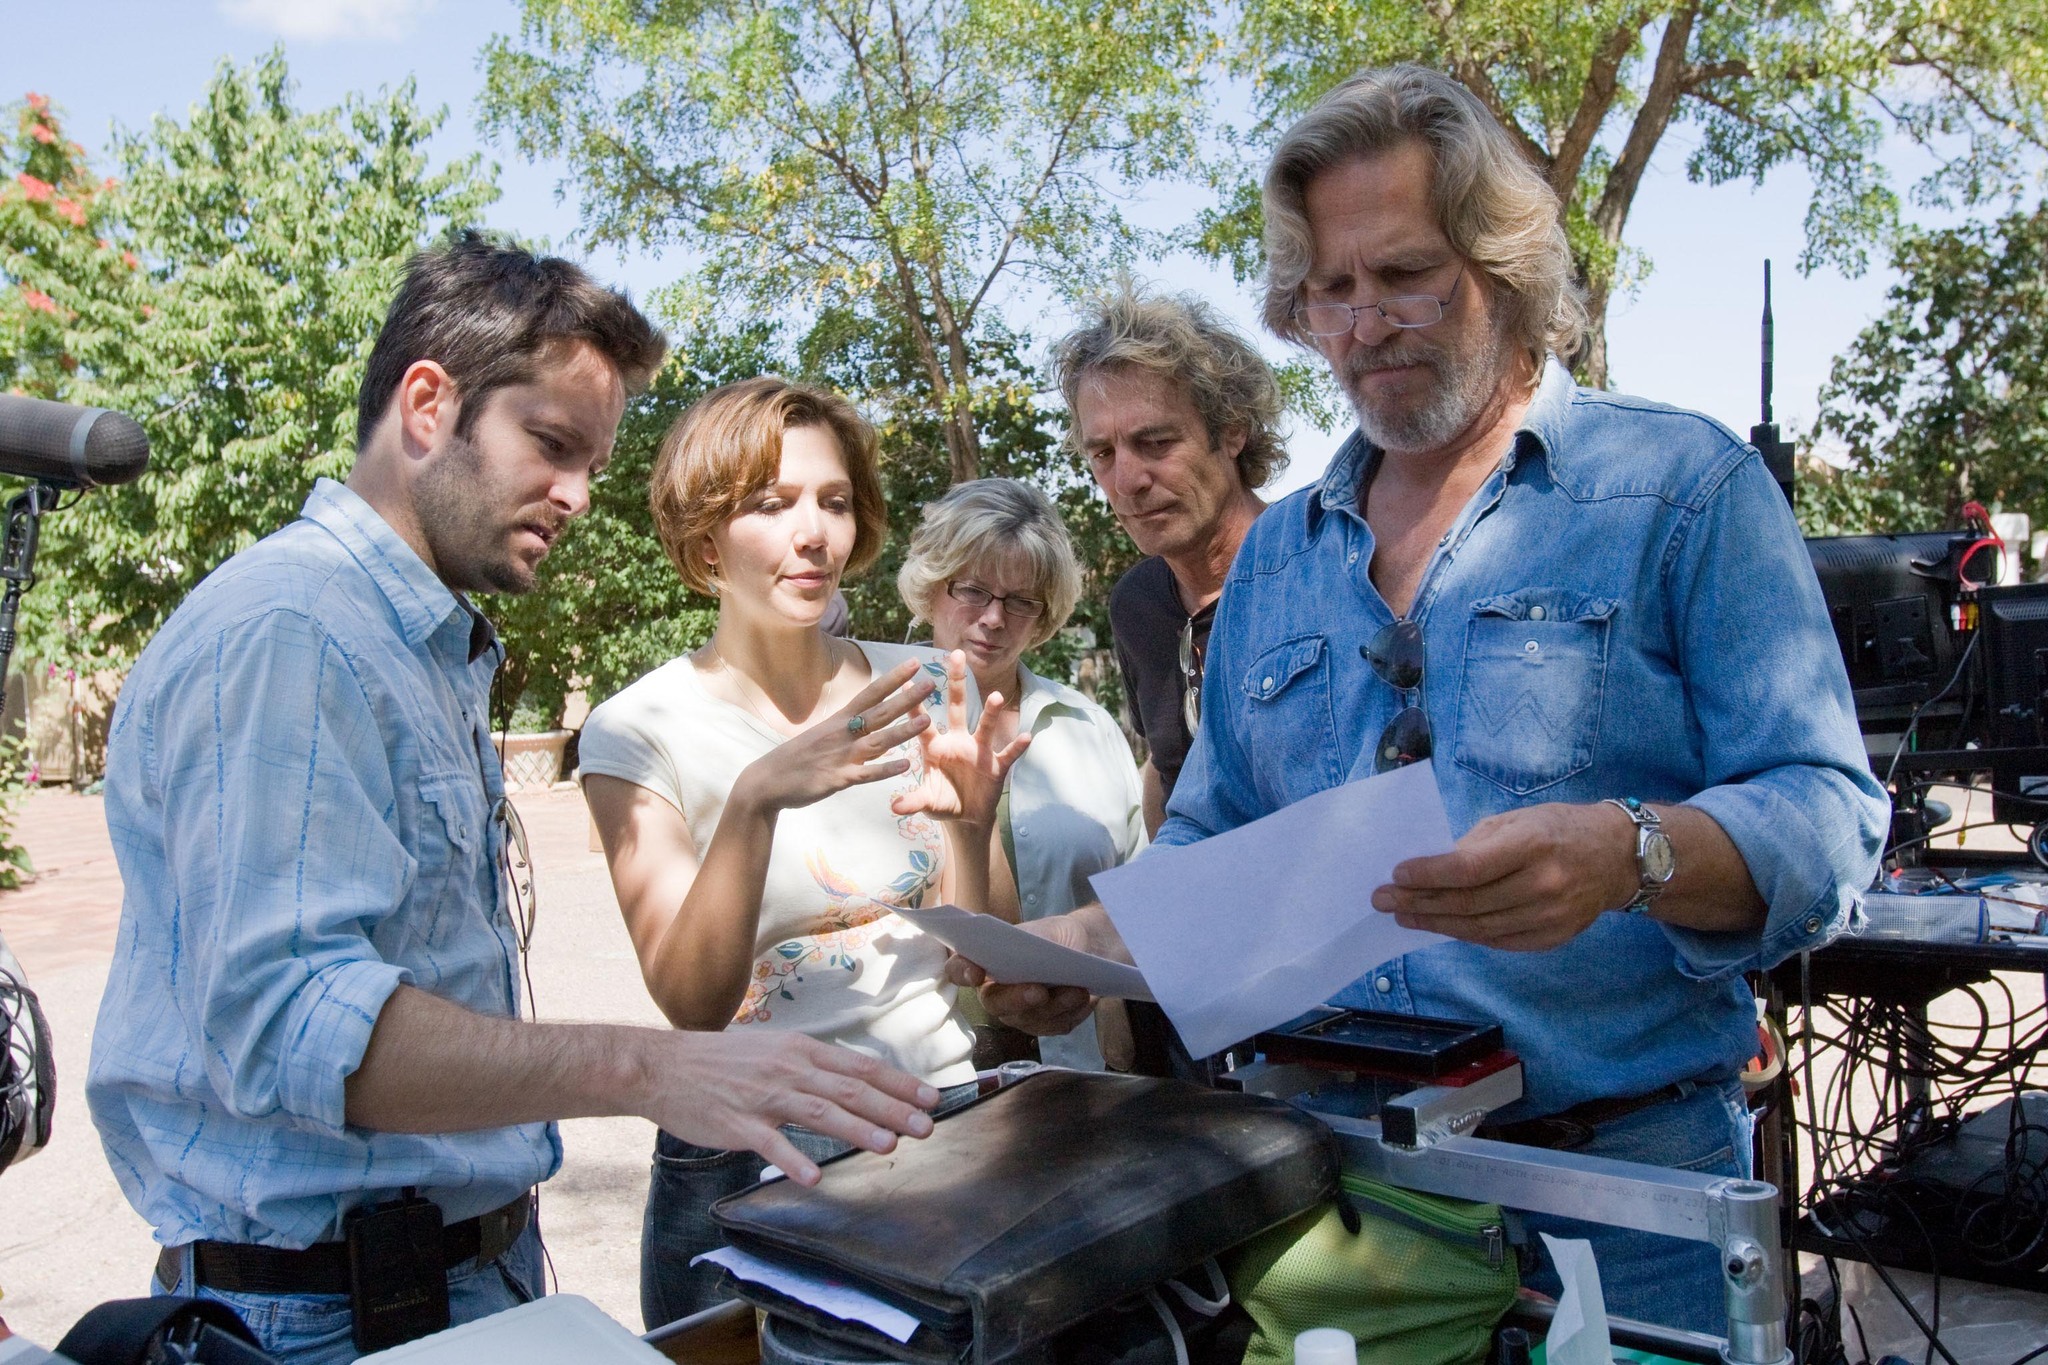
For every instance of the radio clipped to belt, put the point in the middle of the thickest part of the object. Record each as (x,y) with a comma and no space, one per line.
(397,1271)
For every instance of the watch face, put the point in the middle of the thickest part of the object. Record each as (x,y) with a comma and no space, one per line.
(1657,861)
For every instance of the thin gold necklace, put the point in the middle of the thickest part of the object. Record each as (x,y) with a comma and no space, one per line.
(743,683)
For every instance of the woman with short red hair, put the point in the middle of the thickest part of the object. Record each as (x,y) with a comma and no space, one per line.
(767,802)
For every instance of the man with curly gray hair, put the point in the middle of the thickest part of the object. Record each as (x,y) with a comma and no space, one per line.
(1593,613)
(1178,417)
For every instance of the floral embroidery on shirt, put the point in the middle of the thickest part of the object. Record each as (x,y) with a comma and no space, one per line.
(851,913)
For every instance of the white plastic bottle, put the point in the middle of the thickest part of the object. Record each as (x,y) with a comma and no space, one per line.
(1325,1346)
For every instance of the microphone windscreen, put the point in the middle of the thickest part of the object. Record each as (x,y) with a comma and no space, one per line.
(73,446)
(116,449)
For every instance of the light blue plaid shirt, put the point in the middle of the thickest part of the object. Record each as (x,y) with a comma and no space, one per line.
(299,787)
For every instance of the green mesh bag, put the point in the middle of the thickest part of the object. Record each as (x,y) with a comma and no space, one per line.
(1422,1281)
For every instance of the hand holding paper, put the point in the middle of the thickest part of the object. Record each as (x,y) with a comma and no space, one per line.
(1010,954)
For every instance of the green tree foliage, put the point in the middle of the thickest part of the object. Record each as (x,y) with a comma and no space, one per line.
(895,160)
(1944,398)
(1848,502)
(269,240)
(16,866)
(1592,90)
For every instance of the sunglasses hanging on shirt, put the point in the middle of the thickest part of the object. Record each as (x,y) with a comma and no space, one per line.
(1396,656)
(1190,676)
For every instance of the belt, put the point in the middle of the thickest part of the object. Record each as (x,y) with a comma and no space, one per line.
(240,1268)
(1574,1127)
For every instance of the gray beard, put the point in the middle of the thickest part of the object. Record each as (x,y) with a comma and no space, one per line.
(1464,384)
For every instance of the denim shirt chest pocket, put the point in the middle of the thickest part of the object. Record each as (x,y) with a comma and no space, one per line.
(1530,701)
(1289,723)
(453,837)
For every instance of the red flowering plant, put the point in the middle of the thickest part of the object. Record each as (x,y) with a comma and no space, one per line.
(63,275)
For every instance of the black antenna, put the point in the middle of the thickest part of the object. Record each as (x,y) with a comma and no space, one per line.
(1770,345)
(1764,435)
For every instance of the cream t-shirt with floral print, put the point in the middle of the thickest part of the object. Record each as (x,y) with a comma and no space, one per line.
(831,957)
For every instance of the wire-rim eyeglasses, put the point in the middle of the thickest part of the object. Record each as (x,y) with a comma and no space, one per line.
(1404,311)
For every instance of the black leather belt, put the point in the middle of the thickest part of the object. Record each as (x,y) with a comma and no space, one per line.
(1573,1128)
(238,1268)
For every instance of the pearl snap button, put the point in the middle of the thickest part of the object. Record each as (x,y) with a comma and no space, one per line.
(1266,685)
(1384,984)
(1535,613)
(1531,647)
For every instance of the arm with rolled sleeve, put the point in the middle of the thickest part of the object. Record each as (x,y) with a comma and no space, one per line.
(276,797)
(1783,760)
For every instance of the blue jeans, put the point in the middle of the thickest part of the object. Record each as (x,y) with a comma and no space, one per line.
(314,1329)
(685,1182)
(1643,1275)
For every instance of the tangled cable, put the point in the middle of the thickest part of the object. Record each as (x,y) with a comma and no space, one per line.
(1904,1086)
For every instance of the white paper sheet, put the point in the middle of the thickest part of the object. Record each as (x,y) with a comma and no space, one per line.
(1007,953)
(826,1295)
(546,1331)
(1578,1333)
(1249,929)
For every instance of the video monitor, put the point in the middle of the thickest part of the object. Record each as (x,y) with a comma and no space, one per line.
(1889,599)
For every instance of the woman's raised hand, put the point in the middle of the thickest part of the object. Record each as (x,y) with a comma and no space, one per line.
(963,770)
(847,749)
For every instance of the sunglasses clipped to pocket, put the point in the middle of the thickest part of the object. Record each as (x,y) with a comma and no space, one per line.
(1395,654)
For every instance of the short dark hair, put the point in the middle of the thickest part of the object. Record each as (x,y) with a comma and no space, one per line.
(488,313)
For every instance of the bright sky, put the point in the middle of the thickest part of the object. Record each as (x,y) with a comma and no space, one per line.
(1689,337)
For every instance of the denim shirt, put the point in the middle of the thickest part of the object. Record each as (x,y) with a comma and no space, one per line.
(1624,608)
(300,787)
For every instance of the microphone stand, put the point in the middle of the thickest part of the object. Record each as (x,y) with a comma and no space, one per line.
(17,562)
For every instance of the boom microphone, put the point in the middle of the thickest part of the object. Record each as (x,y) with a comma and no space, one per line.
(69,446)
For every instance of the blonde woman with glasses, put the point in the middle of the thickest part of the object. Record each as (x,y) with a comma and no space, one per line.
(767,802)
(992,568)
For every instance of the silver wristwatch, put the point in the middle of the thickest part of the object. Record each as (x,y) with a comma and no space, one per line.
(1655,862)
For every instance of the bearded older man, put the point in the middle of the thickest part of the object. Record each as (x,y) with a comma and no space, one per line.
(1594,612)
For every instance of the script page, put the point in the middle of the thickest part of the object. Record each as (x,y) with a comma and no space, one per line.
(1247,930)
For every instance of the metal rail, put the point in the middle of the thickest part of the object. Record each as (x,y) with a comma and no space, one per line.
(1739,1217)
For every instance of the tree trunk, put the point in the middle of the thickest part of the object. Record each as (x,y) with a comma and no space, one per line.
(1610,215)
(963,444)
(1591,361)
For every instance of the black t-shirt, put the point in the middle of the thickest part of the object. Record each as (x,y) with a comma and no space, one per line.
(1145,618)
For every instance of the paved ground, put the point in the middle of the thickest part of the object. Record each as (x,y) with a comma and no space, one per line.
(68,1239)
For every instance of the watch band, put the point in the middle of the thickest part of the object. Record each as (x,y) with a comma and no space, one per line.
(1653,850)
